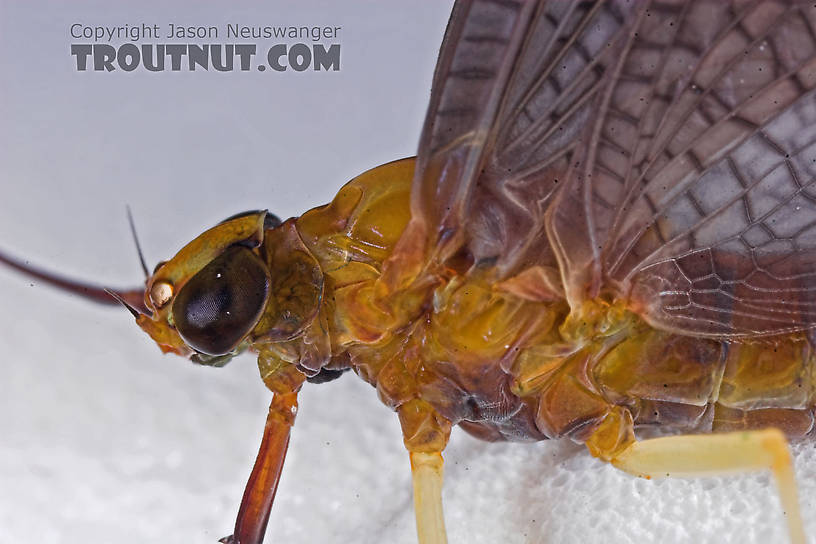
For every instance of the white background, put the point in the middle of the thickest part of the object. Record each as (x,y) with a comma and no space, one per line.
(103,439)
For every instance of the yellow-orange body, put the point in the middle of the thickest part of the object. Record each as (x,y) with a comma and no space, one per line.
(505,359)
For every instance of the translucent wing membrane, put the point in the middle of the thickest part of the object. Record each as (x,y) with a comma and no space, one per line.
(475,63)
(514,91)
(713,230)
(663,151)
(558,82)
(734,252)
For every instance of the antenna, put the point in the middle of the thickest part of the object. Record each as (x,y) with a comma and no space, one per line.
(136,241)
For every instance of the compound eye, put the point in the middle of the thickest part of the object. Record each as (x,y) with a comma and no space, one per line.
(223,302)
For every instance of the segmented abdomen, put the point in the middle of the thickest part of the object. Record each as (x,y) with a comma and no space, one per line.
(503,369)
(708,385)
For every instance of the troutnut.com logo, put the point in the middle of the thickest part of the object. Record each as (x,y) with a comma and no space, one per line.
(295,48)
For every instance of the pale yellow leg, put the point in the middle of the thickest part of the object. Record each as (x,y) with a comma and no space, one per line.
(716,454)
(426,469)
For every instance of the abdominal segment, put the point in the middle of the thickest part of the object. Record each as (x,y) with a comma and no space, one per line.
(511,369)
(705,385)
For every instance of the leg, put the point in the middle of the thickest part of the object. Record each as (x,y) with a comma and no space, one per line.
(426,434)
(250,526)
(426,469)
(708,455)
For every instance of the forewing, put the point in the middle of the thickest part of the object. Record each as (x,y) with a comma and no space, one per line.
(662,151)
(694,198)
(480,45)
(513,92)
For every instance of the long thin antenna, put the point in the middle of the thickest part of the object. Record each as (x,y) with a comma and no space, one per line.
(133,297)
(136,241)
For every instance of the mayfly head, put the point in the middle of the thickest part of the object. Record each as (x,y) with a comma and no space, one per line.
(204,302)
(249,278)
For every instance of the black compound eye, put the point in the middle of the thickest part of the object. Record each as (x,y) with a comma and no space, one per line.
(221,304)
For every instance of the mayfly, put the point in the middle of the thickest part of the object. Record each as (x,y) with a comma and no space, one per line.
(610,224)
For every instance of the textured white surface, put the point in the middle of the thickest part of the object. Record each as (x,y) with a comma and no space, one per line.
(102,439)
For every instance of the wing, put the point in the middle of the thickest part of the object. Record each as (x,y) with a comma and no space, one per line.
(697,185)
(662,151)
(513,89)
